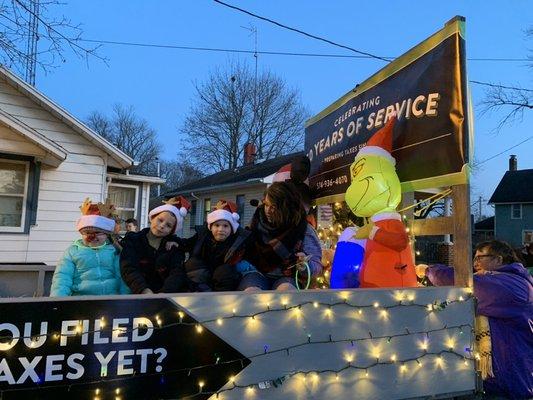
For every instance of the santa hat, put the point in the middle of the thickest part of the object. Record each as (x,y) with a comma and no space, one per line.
(380,144)
(227,211)
(282,174)
(101,216)
(177,206)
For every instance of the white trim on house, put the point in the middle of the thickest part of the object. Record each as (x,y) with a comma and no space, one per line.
(136,178)
(55,154)
(512,210)
(121,158)
(11,229)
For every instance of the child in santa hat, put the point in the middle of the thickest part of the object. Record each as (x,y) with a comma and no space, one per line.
(146,264)
(216,250)
(90,266)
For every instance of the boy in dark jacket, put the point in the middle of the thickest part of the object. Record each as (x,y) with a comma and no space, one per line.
(215,250)
(145,263)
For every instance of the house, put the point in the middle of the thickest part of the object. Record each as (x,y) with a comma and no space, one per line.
(483,230)
(513,205)
(49,163)
(242,185)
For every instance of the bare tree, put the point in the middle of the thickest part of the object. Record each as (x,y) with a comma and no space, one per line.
(22,20)
(131,134)
(178,173)
(512,100)
(234,107)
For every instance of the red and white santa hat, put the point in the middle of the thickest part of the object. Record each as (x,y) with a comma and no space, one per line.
(227,211)
(282,174)
(380,144)
(177,206)
(100,216)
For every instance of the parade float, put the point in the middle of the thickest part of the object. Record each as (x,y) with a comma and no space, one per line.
(365,343)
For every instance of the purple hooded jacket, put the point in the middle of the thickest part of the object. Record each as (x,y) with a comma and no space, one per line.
(504,296)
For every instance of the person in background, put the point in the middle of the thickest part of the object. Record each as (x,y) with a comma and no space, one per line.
(145,263)
(504,323)
(282,241)
(90,266)
(216,251)
(526,254)
(132,225)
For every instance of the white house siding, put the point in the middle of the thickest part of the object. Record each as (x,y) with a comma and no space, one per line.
(61,190)
(254,191)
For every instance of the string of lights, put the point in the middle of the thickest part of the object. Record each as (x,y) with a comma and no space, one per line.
(439,360)
(408,301)
(349,360)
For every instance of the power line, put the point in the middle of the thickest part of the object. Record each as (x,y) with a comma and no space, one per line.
(505,151)
(276,53)
(302,32)
(501,86)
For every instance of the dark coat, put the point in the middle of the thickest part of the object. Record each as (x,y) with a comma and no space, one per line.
(142,266)
(212,264)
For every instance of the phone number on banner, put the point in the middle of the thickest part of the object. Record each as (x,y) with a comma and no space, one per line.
(326,183)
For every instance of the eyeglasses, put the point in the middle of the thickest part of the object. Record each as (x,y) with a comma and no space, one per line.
(480,257)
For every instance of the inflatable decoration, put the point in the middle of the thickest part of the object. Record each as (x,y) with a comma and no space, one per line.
(375,193)
(347,261)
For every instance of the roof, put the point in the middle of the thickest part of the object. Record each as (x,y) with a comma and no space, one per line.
(515,187)
(54,155)
(136,178)
(486,224)
(121,158)
(247,173)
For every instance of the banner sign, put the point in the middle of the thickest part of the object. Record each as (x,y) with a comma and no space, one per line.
(112,349)
(426,88)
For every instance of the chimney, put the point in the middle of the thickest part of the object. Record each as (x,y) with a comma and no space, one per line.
(513,163)
(249,153)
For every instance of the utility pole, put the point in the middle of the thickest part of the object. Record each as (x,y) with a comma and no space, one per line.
(253,31)
(158,163)
(31,46)
(479,208)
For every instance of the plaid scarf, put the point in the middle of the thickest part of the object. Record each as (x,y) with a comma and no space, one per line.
(484,347)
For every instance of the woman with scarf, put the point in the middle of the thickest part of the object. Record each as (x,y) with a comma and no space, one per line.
(282,242)
(504,323)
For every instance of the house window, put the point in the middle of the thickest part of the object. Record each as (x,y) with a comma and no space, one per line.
(207,208)
(516,211)
(239,200)
(124,197)
(14,177)
(192,221)
(527,236)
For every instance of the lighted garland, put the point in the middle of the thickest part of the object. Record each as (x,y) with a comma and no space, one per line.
(435,306)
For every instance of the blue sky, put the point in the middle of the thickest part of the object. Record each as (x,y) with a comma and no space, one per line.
(159,82)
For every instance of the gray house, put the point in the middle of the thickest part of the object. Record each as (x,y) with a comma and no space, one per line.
(513,204)
(241,185)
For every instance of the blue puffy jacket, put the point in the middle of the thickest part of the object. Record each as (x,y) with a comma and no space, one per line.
(84,271)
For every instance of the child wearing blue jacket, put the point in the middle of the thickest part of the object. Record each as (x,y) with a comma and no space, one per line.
(91,265)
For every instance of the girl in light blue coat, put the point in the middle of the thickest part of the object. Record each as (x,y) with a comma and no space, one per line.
(90,266)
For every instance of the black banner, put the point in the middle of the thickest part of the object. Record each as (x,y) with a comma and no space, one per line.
(426,87)
(110,349)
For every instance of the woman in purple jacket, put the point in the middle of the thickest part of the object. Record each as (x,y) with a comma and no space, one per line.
(504,291)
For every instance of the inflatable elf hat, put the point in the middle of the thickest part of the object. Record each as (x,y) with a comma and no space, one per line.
(380,144)
(177,206)
(101,216)
(227,211)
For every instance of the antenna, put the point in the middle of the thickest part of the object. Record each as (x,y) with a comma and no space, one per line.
(33,37)
(253,31)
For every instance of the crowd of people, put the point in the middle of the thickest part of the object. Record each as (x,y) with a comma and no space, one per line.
(277,251)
